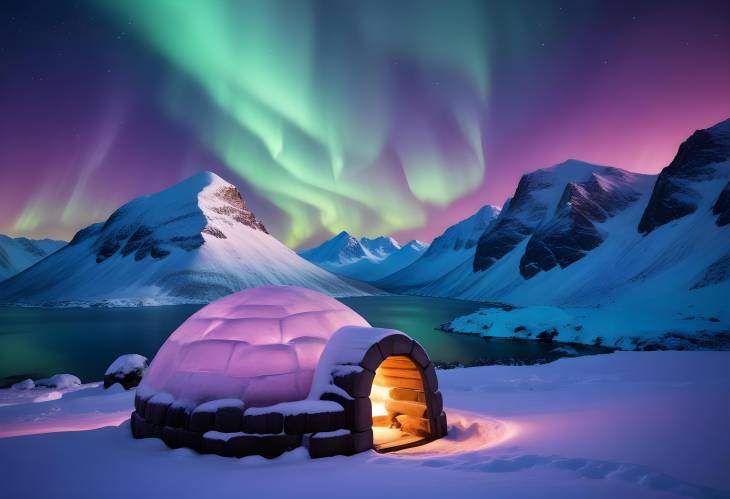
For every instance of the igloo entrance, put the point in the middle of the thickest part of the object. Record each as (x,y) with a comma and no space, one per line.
(400,409)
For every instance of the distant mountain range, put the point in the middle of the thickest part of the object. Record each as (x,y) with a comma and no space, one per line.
(364,259)
(572,235)
(583,234)
(449,250)
(17,254)
(191,243)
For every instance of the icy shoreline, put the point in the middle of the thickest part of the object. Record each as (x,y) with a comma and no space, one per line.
(605,327)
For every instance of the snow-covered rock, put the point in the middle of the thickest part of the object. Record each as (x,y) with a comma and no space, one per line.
(26,384)
(190,243)
(127,370)
(58,381)
(364,259)
(17,254)
(630,329)
(559,205)
(452,248)
(700,169)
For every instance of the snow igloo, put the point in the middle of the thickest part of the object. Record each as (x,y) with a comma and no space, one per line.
(269,369)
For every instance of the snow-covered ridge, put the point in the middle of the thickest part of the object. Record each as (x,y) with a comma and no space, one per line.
(455,246)
(190,243)
(17,254)
(364,259)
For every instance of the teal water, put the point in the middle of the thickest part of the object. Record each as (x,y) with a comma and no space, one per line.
(37,342)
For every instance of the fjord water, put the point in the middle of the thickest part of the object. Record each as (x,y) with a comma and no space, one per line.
(36,342)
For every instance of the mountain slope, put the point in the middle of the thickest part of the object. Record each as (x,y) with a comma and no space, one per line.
(17,254)
(699,169)
(610,254)
(455,246)
(191,243)
(363,259)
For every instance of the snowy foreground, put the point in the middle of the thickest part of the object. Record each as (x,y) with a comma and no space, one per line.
(629,424)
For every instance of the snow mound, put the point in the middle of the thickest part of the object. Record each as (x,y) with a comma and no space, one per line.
(26,384)
(127,370)
(127,363)
(59,381)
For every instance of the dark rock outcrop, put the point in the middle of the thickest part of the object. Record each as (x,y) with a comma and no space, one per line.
(674,194)
(570,234)
(722,207)
(515,223)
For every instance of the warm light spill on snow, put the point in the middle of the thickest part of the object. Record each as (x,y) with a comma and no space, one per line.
(468,432)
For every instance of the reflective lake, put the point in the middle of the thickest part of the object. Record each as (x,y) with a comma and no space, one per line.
(37,342)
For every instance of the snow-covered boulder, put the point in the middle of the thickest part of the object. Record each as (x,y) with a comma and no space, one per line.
(127,370)
(59,381)
(26,384)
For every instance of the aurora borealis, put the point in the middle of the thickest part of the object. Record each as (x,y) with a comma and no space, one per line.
(372,116)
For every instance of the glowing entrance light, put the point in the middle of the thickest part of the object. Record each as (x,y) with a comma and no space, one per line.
(401,415)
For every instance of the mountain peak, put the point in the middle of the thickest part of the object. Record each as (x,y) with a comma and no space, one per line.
(701,160)
(380,246)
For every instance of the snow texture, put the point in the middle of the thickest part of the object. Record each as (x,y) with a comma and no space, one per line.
(297,407)
(260,346)
(343,352)
(26,384)
(127,363)
(630,424)
(627,329)
(59,381)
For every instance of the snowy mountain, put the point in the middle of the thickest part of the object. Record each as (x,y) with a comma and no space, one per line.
(340,250)
(452,248)
(17,254)
(190,243)
(625,255)
(363,259)
(381,247)
(699,171)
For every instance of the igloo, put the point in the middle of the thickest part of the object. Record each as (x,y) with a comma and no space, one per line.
(268,369)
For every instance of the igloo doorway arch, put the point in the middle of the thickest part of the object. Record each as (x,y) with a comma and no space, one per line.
(199,392)
(387,384)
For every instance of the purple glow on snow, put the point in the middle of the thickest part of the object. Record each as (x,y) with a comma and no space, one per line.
(260,345)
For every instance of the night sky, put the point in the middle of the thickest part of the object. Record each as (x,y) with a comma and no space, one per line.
(397,117)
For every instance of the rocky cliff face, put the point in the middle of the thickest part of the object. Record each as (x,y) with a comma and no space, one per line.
(557,211)
(516,222)
(721,208)
(572,231)
(126,233)
(700,161)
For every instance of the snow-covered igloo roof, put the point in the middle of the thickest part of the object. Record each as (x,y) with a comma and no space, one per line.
(259,345)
